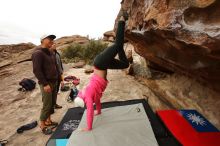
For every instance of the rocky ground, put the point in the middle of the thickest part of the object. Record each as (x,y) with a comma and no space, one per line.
(166,92)
(19,108)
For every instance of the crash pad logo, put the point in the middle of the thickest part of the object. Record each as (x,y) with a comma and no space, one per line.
(71,125)
(196,119)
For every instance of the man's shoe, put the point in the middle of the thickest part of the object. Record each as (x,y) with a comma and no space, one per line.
(57,106)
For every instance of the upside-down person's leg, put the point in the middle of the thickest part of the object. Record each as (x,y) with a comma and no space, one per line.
(123,62)
(123,58)
(118,64)
(112,51)
(104,59)
(119,39)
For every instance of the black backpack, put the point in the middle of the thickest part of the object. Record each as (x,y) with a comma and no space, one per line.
(73,94)
(27,84)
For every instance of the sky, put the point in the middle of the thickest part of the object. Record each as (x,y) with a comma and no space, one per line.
(28,20)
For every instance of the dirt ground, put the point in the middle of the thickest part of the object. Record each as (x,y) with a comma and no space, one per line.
(18,108)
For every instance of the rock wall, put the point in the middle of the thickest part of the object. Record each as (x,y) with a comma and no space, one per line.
(10,54)
(173,90)
(180,35)
(109,36)
(66,41)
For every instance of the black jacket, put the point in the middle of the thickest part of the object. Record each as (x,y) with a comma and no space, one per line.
(44,66)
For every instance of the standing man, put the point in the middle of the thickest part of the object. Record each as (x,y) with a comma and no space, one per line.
(45,70)
(60,74)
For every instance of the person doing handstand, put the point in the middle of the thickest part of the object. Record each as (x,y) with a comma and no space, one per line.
(98,82)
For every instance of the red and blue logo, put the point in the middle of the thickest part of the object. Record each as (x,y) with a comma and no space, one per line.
(190,128)
(197,121)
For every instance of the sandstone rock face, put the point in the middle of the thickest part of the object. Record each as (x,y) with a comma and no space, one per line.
(109,36)
(6,51)
(64,42)
(173,90)
(15,53)
(138,67)
(180,35)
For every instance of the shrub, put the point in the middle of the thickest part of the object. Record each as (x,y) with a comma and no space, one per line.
(85,52)
(72,51)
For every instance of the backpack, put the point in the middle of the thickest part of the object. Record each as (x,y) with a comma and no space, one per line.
(73,94)
(27,85)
